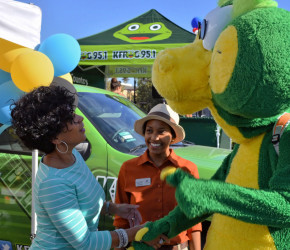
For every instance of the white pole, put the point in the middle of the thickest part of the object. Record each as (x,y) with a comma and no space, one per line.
(33,214)
(231,143)
(218,129)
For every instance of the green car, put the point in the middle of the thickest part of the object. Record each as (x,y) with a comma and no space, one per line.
(109,120)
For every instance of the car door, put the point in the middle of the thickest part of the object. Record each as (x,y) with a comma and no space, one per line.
(15,191)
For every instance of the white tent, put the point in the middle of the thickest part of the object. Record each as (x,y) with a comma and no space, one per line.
(127,86)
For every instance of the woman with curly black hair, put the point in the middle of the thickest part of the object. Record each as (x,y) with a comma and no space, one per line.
(68,199)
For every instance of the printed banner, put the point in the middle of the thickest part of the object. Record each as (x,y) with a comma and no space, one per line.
(122,54)
(129,71)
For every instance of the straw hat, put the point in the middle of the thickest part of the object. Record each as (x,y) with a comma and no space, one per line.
(163,113)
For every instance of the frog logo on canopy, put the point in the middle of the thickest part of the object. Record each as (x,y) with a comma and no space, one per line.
(138,32)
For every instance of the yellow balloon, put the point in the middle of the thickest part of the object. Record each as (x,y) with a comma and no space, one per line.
(67,77)
(32,70)
(9,51)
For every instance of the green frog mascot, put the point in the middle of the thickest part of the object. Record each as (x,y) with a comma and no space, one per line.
(239,67)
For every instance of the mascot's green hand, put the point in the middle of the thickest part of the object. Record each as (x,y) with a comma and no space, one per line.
(170,225)
(166,172)
(176,177)
(156,228)
(188,193)
(151,231)
(138,244)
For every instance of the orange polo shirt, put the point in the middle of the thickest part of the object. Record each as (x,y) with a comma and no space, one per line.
(139,183)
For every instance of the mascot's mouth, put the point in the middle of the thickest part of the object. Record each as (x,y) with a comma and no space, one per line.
(202,99)
(202,93)
(187,106)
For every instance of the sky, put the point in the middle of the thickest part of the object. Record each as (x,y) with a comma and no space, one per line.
(82,18)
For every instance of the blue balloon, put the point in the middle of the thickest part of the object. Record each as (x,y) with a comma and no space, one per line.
(64,52)
(9,93)
(5,114)
(4,76)
(37,47)
(195,21)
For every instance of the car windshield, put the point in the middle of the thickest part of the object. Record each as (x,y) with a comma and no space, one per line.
(114,117)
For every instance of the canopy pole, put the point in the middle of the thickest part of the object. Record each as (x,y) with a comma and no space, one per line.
(218,129)
(135,90)
(33,214)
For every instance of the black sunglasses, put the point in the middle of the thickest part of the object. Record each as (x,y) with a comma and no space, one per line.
(202,29)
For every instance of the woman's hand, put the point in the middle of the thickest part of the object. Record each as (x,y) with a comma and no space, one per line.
(127,211)
(131,232)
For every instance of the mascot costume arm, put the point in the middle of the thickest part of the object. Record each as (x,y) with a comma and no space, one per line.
(246,204)
(228,199)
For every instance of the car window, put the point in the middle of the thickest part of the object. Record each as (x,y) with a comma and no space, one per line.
(114,118)
(10,143)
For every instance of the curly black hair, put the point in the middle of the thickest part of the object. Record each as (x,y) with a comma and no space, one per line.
(42,114)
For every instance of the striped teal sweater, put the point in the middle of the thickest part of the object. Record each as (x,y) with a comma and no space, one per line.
(68,203)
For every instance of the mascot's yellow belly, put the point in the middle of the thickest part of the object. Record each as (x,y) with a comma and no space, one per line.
(228,233)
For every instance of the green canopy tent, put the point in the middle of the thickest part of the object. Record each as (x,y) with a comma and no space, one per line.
(129,49)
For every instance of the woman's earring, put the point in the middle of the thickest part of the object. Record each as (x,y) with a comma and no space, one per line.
(62,152)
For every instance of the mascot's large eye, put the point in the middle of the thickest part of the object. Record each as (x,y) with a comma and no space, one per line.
(133,27)
(213,24)
(155,27)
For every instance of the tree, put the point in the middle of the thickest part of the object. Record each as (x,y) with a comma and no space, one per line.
(125,79)
(144,98)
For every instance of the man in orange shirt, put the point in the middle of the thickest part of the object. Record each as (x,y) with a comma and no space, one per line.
(139,178)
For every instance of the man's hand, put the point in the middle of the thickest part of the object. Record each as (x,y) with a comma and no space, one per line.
(127,211)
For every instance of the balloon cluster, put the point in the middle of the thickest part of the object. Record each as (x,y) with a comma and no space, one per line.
(23,69)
